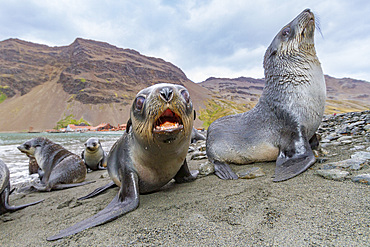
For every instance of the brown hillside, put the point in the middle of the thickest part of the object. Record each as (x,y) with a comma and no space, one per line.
(343,95)
(89,79)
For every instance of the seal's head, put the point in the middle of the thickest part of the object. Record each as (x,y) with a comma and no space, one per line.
(162,113)
(294,42)
(29,147)
(92,144)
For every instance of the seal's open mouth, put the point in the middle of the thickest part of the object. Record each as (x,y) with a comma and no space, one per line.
(168,122)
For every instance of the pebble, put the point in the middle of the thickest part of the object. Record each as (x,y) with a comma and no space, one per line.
(361,155)
(363,178)
(199,155)
(206,169)
(333,174)
(251,173)
(202,147)
(350,164)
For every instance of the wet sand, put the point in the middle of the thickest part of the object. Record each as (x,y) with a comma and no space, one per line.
(307,210)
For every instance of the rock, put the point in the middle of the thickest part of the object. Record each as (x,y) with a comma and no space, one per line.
(361,155)
(357,147)
(345,138)
(252,172)
(191,149)
(363,178)
(202,147)
(333,174)
(104,175)
(350,164)
(199,155)
(206,168)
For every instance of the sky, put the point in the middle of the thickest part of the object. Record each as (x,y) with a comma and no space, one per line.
(209,38)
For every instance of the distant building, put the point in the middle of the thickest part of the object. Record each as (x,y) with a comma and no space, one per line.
(78,128)
(103,127)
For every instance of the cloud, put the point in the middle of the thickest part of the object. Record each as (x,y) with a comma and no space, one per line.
(200,37)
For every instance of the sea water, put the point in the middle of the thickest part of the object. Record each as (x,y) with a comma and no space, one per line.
(17,162)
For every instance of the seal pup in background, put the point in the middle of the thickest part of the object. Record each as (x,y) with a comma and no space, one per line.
(61,168)
(5,191)
(196,136)
(150,153)
(94,155)
(286,116)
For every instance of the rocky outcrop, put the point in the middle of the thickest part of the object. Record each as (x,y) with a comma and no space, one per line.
(92,72)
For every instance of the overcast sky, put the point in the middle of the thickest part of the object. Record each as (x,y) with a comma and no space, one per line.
(220,38)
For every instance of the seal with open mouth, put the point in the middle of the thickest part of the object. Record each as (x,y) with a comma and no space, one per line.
(282,125)
(150,153)
(5,192)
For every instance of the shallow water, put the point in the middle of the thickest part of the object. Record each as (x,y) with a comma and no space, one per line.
(17,162)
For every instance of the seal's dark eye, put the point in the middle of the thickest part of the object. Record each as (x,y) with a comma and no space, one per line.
(286,31)
(186,96)
(27,146)
(139,103)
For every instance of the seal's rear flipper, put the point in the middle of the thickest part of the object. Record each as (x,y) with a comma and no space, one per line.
(43,188)
(15,208)
(125,201)
(223,171)
(294,158)
(97,191)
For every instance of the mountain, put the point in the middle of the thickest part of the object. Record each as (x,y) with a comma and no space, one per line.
(40,85)
(96,81)
(343,95)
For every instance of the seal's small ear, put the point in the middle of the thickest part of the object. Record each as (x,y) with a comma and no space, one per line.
(195,114)
(128,125)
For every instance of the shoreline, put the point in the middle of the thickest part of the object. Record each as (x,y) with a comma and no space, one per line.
(307,210)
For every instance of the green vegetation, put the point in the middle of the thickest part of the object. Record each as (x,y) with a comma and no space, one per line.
(2,96)
(63,123)
(220,108)
(83,80)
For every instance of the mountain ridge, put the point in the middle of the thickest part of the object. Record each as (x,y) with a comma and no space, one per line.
(97,81)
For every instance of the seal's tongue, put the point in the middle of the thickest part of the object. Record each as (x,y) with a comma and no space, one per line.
(168,122)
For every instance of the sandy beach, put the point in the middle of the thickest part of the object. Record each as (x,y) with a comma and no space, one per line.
(307,210)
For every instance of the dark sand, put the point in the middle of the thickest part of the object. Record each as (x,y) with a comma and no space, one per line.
(304,211)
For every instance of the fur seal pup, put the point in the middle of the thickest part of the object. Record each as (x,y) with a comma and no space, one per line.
(94,155)
(196,136)
(5,192)
(61,169)
(286,116)
(149,154)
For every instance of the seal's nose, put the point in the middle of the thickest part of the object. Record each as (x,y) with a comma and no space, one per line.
(166,93)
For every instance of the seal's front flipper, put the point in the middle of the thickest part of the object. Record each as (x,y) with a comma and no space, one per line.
(185,175)
(15,208)
(125,201)
(223,171)
(97,191)
(295,156)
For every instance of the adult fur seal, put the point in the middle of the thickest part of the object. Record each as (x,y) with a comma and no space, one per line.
(61,168)
(5,192)
(287,115)
(94,155)
(150,153)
